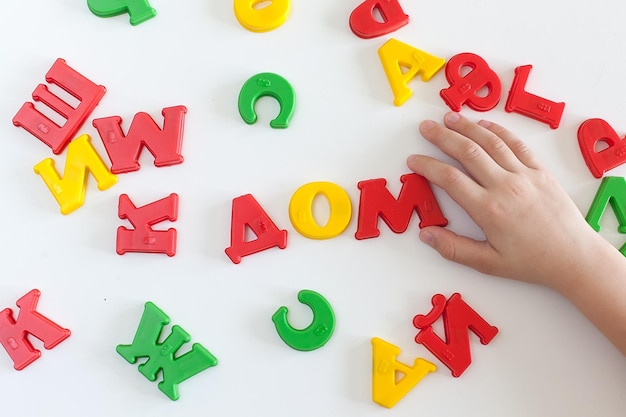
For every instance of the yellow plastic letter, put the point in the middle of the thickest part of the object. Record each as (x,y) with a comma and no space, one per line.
(81,158)
(301,210)
(386,389)
(264,18)
(394,55)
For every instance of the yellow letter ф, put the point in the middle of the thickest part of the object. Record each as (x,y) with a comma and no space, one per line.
(258,16)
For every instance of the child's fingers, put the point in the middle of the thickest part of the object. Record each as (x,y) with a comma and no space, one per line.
(478,164)
(479,255)
(493,144)
(519,148)
(462,189)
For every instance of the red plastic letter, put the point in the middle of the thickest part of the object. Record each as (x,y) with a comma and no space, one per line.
(458,318)
(593,131)
(364,25)
(13,334)
(164,144)
(143,238)
(247,213)
(530,105)
(465,88)
(376,200)
(44,129)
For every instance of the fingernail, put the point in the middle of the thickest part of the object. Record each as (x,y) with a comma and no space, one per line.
(453,117)
(485,123)
(427,238)
(427,125)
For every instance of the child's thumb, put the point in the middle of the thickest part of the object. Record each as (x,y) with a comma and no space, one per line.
(460,249)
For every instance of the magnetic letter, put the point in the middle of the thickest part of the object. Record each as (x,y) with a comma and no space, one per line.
(164,145)
(261,19)
(530,105)
(395,55)
(248,214)
(612,190)
(139,10)
(592,131)
(458,319)
(162,356)
(143,238)
(376,201)
(44,129)
(316,334)
(14,333)
(364,25)
(81,158)
(301,210)
(465,89)
(272,85)
(387,388)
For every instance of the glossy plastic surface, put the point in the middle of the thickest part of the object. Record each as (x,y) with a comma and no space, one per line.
(301,210)
(458,319)
(14,333)
(467,89)
(162,356)
(138,10)
(402,62)
(247,213)
(316,334)
(41,126)
(592,131)
(143,238)
(164,144)
(530,105)
(364,24)
(81,159)
(391,379)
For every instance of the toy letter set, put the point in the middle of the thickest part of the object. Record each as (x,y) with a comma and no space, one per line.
(140,231)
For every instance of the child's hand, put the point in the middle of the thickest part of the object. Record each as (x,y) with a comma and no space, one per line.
(534,232)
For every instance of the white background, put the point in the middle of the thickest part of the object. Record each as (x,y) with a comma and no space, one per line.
(547,359)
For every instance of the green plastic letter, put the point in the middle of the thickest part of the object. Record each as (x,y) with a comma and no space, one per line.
(267,84)
(317,333)
(139,10)
(161,355)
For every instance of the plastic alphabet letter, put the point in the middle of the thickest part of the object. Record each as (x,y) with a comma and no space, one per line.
(13,333)
(44,129)
(465,89)
(364,24)
(248,214)
(139,10)
(612,190)
(81,158)
(267,84)
(530,105)
(316,334)
(164,145)
(142,238)
(458,319)
(376,201)
(387,389)
(591,132)
(301,210)
(395,55)
(251,15)
(161,356)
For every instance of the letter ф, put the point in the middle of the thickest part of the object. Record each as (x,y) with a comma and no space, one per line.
(161,355)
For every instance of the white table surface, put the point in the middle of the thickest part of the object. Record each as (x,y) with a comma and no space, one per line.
(547,359)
